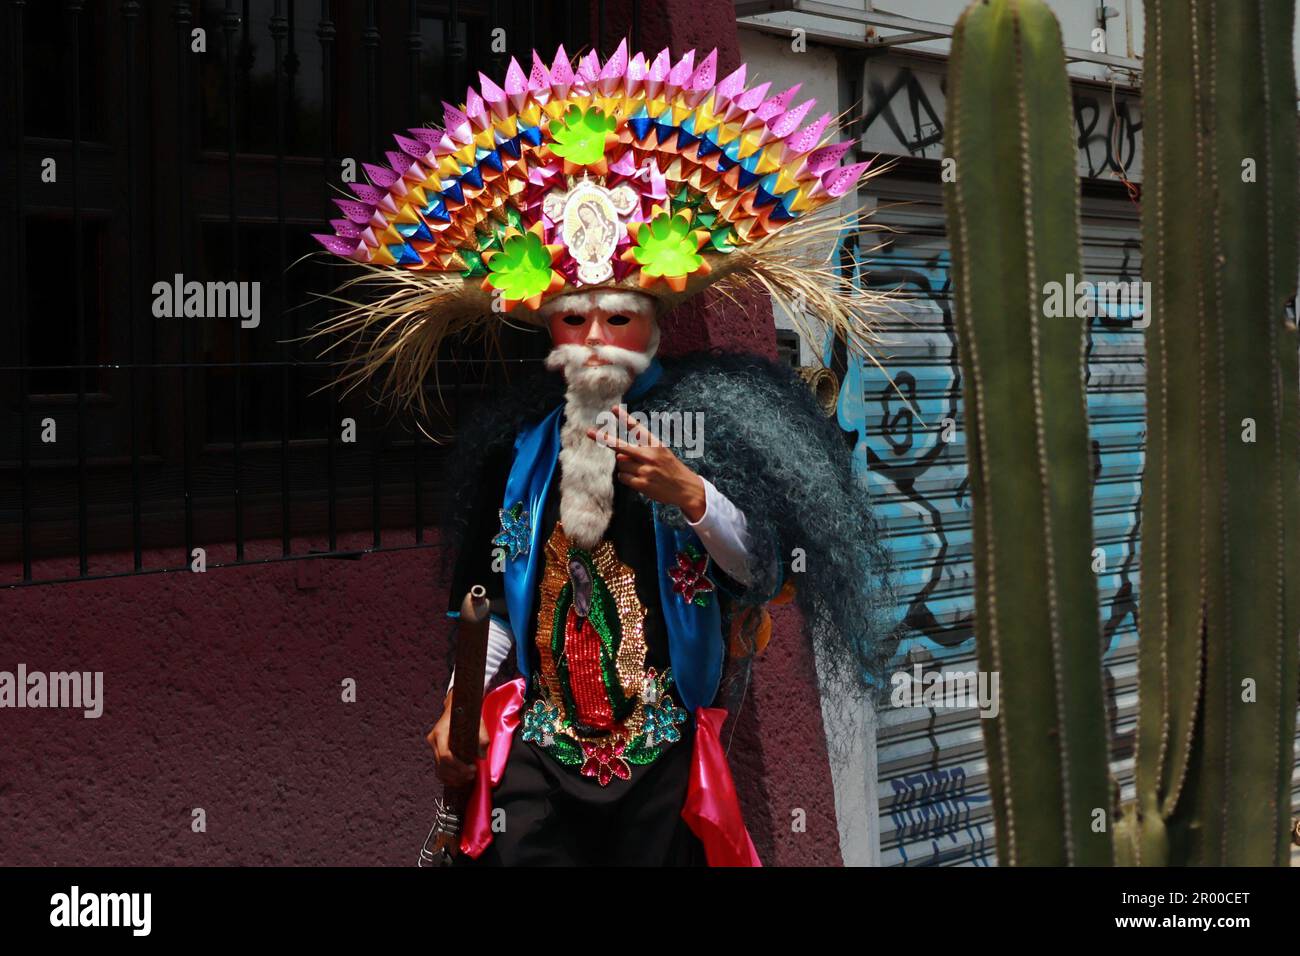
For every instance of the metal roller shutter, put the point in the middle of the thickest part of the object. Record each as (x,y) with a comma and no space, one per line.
(932,787)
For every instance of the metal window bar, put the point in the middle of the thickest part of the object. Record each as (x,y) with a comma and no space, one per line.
(130,16)
(20,289)
(325,33)
(414,46)
(79,291)
(279,27)
(230,23)
(370,39)
(182,19)
(146,412)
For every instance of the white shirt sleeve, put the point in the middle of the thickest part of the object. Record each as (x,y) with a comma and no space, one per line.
(500,641)
(722,531)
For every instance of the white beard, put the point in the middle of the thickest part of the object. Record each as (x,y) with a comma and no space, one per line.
(587,466)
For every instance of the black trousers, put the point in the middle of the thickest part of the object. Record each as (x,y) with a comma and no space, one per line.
(553,816)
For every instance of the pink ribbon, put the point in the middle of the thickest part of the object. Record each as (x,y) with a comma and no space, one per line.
(501,709)
(712,810)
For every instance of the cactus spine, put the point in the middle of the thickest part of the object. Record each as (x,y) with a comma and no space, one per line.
(1217,655)
(1014,221)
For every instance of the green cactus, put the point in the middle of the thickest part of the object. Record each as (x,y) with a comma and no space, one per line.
(1219,515)
(1220,617)
(1013,214)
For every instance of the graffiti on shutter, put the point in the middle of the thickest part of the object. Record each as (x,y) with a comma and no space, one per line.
(910,442)
(906,106)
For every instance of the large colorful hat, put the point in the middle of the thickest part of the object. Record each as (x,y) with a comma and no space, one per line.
(631,174)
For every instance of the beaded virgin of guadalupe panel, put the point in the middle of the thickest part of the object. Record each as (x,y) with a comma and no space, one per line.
(599,708)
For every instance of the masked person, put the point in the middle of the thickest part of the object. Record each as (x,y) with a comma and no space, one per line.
(628,515)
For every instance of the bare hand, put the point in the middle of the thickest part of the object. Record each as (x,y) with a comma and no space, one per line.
(650,467)
(453,772)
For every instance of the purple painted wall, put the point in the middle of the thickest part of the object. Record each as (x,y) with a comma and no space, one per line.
(223,690)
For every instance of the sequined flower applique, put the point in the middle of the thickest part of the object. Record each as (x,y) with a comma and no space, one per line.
(604,761)
(661,722)
(540,722)
(515,531)
(688,577)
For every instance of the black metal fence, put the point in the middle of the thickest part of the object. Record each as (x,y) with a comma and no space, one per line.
(149,145)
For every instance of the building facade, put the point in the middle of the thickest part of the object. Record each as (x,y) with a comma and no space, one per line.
(926,795)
